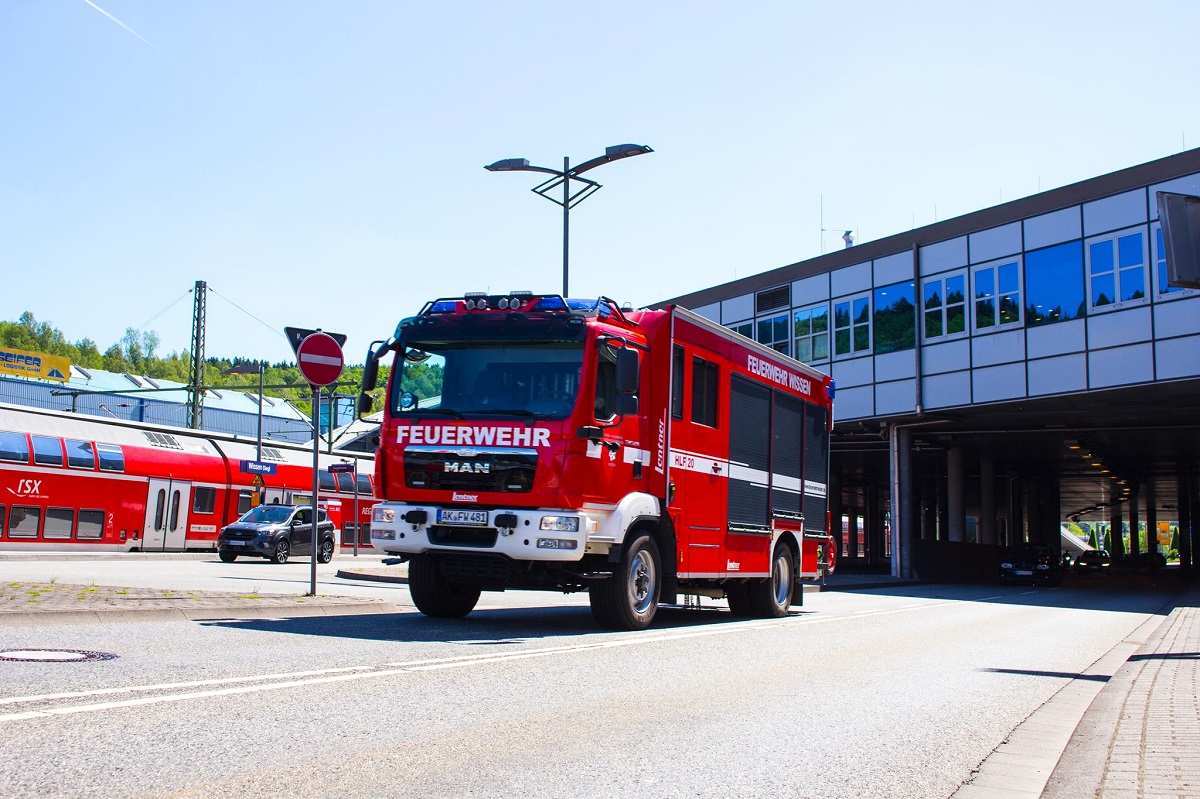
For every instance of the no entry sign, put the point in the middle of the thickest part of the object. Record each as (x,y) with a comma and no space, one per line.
(319,357)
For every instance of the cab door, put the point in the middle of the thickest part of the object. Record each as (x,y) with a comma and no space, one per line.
(167,505)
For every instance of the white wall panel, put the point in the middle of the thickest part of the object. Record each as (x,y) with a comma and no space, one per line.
(1177,318)
(1111,213)
(854,403)
(948,357)
(952,390)
(737,309)
(810,290)
(1056,339)
(998,348)
(1119,327)
(1121,366)
(710,312)
(850,279)
(1179,357)
(1053,228)
(893,269)
(998,382)
(944,256)
(895,366)
(1058,375)
(995,243)
(857,372)
(896,397)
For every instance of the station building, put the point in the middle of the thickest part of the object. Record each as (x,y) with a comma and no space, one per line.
(1001,375)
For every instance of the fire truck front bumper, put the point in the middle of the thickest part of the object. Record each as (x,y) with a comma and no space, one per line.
(547,535)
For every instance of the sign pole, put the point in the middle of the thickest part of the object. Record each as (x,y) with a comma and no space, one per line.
(316,400)
(357,520)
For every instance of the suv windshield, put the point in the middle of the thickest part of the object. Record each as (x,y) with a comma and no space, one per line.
(457,378)
(267,514)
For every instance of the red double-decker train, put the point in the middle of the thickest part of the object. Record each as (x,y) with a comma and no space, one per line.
(77,482)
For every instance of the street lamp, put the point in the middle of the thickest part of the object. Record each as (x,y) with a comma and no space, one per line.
(564,177)
(249,369)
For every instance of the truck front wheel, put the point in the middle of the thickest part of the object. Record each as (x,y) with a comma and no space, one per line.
(629,599)
(436,596)
(771,598)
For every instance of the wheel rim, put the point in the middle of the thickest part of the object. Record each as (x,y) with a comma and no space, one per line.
(327,551)
(781,575)
(281,551)
(642,579)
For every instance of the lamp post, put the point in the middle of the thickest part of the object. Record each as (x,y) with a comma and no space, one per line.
(563,178)
(248,369)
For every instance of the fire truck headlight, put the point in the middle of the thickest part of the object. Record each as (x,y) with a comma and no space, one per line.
(560,524)
(383,515)
(556,543)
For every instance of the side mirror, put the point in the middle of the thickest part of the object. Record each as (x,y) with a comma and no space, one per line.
(627,404)
(366,403)
(627,371)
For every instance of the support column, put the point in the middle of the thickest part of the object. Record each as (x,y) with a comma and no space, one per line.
(904,516)
(1135,546)
(987,501)
(1116,522)
(835,512)
(1151,491)
(1187,508)
(956,516)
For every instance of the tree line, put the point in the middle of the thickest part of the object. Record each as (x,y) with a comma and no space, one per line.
(137,353)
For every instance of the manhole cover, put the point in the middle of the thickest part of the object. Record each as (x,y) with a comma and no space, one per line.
(53,655)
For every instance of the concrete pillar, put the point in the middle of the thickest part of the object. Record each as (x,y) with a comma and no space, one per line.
(835,511)
(1151,492)
(1187,508)
(956,515)
(987,501)
(1134,521)
(904,516)
(1116,521)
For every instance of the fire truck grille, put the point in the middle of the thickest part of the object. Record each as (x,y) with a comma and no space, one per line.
(445,535)
(445,470)
(475,568)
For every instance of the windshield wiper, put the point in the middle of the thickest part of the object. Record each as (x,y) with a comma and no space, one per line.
(514,412)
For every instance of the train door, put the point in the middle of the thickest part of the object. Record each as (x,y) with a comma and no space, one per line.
(167,503)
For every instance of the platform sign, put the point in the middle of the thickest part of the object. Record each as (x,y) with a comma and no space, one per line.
(334,468)
(256,467)
(320,359)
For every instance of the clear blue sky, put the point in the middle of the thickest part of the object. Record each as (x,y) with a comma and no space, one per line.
(320,164)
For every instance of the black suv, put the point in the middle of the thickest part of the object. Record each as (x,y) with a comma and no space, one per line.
(1029,563)
(276,532)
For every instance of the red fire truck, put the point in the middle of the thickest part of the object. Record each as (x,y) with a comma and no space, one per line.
(537,442)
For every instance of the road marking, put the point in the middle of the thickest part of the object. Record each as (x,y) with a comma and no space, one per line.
(273,682)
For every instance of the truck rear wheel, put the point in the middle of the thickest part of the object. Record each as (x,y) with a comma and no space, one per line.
(436,596)
(771,598)
(629,599)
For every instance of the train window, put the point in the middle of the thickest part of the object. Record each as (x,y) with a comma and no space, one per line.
(364,484)
(244,501)
(326,481)
(345,482)
(175,510)
(14,447)
(59,522)
(47,451)
(80,454)
(112,459)
(160,508)
(24,521)
(204,500)
(91,524)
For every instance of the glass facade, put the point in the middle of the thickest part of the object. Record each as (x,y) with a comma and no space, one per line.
(1116,269)
(944,306)
(1054,284)
(997,295)
(895,318)
(811,326)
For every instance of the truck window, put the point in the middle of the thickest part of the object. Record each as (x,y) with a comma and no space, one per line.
(677,362)
(704,392)
(606,383)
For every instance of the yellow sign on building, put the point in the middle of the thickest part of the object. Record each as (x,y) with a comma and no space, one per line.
(34,364)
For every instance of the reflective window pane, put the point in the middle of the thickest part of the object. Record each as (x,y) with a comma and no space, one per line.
(1054,286)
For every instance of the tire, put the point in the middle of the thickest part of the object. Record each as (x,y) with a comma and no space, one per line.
(227,557)
(325,552)
(770,598)
(436,596)
(629,599)
(739,599)
(282,550)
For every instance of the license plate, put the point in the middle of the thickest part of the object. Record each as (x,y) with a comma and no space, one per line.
(1021,573)
(236,543)
(466,518)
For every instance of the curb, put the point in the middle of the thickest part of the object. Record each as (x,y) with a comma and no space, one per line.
(227,612)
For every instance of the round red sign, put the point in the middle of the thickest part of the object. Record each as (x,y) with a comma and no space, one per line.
(319,357)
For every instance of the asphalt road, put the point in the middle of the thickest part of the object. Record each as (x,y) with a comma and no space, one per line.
(888,693)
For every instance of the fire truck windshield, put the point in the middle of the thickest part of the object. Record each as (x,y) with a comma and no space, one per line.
(460,379)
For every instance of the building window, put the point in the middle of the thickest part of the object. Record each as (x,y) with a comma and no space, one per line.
(997,295)
(743,329)
(944,306)
(852,326)
(895,318)
(1116,268)
(811,328)
(775,334)
(1160,264)
(1054,284)
(704,392)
